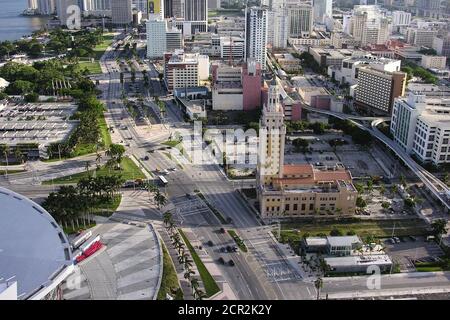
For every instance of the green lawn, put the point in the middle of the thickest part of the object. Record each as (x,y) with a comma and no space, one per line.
(93,67)
(171,143)
(209,283)
(376,228)
(106,209)
(129,172)
(82,149)
(100,48)
(10,171)
(106,136)
(238,240)
(169,281)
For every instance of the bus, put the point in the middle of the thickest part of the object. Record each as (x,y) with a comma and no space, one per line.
(163,180)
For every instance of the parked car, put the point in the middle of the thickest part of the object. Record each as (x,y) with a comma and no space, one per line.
(397,240)
(222,230)
(391,240)
(235,249)
(221,260)
(231,263)
(223,249)
(413,238)
(210,243)
(146,158)
(229,249)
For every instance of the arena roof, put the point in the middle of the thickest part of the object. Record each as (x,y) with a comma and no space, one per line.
(34,250)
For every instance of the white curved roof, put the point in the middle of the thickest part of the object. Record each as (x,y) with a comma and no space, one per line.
(33,249)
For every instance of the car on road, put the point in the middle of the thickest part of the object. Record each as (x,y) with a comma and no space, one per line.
(229,248)
(231,263)
(146,158)
(222,230)
(210,243)
(223,249)
(235,249)
(221,260)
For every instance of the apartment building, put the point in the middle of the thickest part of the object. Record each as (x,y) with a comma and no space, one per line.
(296,190)
(348,71)
(421,126)
(421,37)
(376,90)
(300,16)
(256,32)
(433,62)
(185,70)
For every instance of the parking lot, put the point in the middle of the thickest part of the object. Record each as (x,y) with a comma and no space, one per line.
(361,163)
(407,251)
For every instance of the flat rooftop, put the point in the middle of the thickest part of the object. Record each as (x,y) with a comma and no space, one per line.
(33,248)
(42,123)
(359,260)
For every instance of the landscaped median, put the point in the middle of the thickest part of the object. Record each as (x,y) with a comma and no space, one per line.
(240,243)
(129,172)
(169,281)
(211,287)
(213,209)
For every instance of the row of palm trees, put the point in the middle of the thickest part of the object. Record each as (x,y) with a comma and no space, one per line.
(71,203)
(183,256)
(5,152)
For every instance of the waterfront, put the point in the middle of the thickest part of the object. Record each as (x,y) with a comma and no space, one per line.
(12,25)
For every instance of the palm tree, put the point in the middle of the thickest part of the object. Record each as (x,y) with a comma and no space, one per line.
(394,189)
(160,200)
(98,158)
(18,155)
(199,294)
(319,285)
(167,218)
(188,275)
(5,151)
(87,166)
(382,191)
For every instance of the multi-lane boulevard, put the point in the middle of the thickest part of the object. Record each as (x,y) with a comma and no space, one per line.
(261,273)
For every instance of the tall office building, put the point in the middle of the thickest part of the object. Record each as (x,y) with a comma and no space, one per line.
(322,9)
(46,7)
(156,38)
(256,29)
(429,8)
(278,35)
(32,4)
(369,26)
(401,18)
(121,12)
(300,17)
(377,89)
(195,10)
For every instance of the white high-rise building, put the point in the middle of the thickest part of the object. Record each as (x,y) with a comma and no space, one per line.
(300,18)
(256,31)
(278,34)
(121,12)
(420,125)
(156,38)
(322,9)
(401,18)
(369,26)
(32,4)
